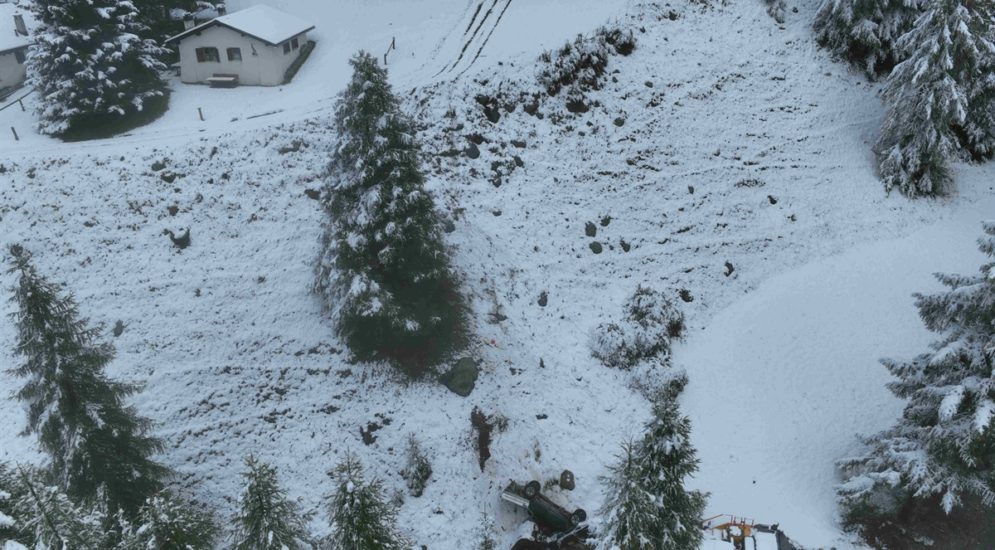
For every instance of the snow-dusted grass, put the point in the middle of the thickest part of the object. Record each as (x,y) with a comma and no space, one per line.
(750,148)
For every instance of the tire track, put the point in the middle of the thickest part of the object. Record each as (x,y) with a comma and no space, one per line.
(486,40)
(442,41)
(476,31)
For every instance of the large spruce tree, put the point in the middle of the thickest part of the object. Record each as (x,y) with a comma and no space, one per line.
(384,268)
(866,32)
(362,518)
(943,447)
(90,65)
(930,96)
(98,447)
(647,506)
(267,519)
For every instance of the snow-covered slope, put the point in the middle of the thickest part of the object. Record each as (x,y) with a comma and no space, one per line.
(741,143)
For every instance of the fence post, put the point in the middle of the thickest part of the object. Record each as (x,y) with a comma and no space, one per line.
(15,134)
(200,113)
(21,103)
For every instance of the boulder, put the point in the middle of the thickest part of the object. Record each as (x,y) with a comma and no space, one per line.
(461,378)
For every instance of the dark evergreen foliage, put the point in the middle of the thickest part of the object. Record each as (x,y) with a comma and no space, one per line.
(647,506)
(91,65)
(384,268)
(99,448)
(943,447)
(866,32)
(12,525)
(362,519)
(267,519)
(54,521)
(168,523)
(942,80)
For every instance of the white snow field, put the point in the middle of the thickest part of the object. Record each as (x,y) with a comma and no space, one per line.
(741,143)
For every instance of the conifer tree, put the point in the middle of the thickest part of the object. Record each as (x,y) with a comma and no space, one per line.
(90,65)
(647,506)
(168,523)
(930,94)
(362,519)
(866,32)
(384,268)
(12,526)
(944,444)
(776,9)
(55,522)
(267,518)
(97,445)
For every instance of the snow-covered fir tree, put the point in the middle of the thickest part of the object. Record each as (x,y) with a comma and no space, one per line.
(944,444)
(98,447)
(776,9)
(384,268)
(977,131)
(866,32)
(418,470)
(12,490)
(362,518)
(168,523)
(267,519)
(930,95)
(646,505)
(55,522)
(90,64)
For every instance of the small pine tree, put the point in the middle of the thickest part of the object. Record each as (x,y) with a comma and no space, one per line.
(776,9)
(362,519)
(55,522)
(930,94)
(167,523)
(90,65)
(418,470)
(944,444)
(384,267)
(647,506)
(866,32)
(267,518)
(97,445)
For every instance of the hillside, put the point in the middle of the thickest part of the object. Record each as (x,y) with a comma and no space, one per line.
(740,172)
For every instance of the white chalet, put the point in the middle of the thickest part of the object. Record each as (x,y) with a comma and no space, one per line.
(14,42)
(254,46)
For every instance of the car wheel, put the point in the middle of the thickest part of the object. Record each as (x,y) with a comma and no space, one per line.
(578,517)
(532,489)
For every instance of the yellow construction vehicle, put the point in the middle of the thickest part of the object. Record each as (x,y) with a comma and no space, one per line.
(740,530)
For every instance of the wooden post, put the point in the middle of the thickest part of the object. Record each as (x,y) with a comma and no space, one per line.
(200,113)
(15,134)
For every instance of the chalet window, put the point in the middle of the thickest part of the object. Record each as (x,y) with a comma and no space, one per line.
(295,44)
(208,55)
(286,48)
(234,54)
(19,56)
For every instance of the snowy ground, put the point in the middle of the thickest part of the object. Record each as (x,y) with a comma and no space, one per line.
(236,355)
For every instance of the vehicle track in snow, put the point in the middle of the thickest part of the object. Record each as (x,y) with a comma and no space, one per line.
(486,17)
(487,39)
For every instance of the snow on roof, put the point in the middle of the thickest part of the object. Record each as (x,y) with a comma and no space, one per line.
(263,22)
(9,39)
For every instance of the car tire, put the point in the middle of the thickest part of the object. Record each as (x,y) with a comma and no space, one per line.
(578,517)
(532,489)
